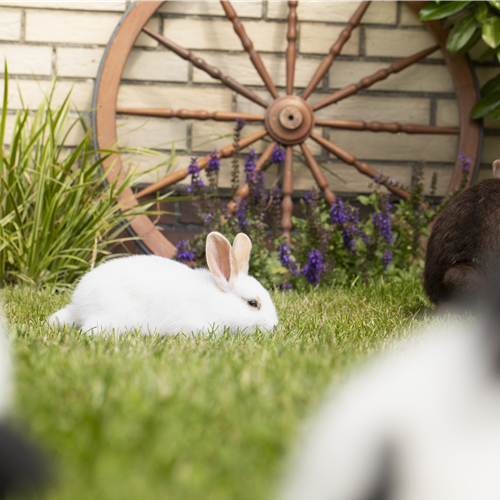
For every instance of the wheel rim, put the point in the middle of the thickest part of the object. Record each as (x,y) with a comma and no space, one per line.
(288,119)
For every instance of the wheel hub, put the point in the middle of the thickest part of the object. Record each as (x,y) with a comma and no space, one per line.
(289,120)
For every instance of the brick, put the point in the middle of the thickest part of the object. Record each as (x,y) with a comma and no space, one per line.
(167,218)
(377,108)
(108,5)
(401,147)
(27,59)
(157,133)
(477,51)
(318,38)
(149,168)
(484,173)
(347,179)
(416,78)
(78,27)
(398,43)
(219,35)
(485,73)
(212,8)
(491,149)
(408,17)
(244,105)
(33,92)
(340,12)
(176,235)
(161,65)
(188,213)
(78,62)
(159,96)
(70,27)
(239,67)
(144,40)
(211,135)
(10,24)
(447,113)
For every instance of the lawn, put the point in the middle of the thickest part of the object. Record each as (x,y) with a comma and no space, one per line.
(183,418)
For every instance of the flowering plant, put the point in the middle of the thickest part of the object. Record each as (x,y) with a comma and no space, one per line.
(330,244)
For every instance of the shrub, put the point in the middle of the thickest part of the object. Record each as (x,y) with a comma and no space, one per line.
(58,215)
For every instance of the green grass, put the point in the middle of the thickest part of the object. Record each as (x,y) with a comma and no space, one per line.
(179,418)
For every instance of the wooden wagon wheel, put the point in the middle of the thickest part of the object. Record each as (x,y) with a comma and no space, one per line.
(288,119)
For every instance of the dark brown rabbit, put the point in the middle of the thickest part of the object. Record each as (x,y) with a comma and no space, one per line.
(463,251)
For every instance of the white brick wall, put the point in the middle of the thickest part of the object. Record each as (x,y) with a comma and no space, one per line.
(41,39)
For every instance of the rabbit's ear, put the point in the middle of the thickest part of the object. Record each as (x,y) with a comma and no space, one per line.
(221,260)
(242,246)
(496,169)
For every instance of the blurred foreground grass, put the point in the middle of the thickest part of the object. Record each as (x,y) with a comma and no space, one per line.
(183,418)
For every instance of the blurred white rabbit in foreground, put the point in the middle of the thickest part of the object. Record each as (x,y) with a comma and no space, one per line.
(161,296)
(420,424)
(22,467)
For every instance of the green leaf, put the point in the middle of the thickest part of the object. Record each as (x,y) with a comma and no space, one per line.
(487,54)
(444,9)
(461,34)
(498,55)
(491,32)
(474,39)
(491,86)
(495,4)
(364,200)
(482,11)
(485,105)
(495,114)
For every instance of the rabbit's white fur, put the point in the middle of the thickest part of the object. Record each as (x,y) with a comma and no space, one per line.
(160,296)
(5,371)
(424,424)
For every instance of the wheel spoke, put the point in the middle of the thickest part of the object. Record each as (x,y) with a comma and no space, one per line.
(185,114)
(335,49)
(248,46)
(291,51)
(318,174)
(181,174)
(287,190)
(387,127)
(243,190)
(203,65)
(367,81)
(362,167)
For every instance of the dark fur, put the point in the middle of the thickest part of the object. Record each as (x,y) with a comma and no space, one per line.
(23,468)
(464,247)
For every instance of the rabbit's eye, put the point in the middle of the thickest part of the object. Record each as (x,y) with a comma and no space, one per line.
(252,303)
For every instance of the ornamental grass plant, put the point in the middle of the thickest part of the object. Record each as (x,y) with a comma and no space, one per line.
(58,215)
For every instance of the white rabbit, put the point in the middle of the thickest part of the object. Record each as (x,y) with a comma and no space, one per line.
(156,295)
(421,424)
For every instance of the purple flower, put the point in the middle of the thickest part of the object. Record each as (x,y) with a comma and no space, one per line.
(240,123)
(194,170)
(386,259)
(214,163)
(183,254)
(278,155)
(207,218)
(284,256)
(314,267)
(338,214)
(382,220)
(241,213)
(309,196)
(349,239)
(465,162)
(286,286)
(250,165)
